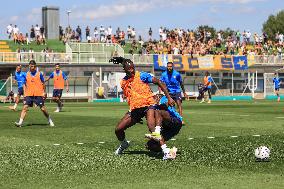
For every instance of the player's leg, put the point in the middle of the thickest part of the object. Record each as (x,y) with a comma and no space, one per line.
(56,99)
(126,122)
(17,100)
(202,94)
(28,102)
(40,103)
(209,94)
(59,98)
(277,94)
(168,131)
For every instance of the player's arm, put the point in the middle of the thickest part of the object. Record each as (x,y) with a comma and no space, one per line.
(50,77)
(15,79)
(43,84)
(182,87)
(163,87)
(66,80)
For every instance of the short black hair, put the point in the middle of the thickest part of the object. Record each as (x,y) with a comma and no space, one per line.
(170,63)
(32,62)
(57,64)
(19,65)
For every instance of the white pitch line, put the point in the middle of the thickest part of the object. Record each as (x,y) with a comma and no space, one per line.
(210,137)
(101,142)
(56,144)
(233,136)
(36,145)
(279,117)
(190,138)
(244,115)
(80,143)
(173,139)
(256,135)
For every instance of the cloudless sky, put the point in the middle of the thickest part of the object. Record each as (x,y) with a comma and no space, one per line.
(188,14)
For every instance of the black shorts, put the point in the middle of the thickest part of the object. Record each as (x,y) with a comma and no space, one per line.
(57,93)
(171,128)
(176,96)
(38,100)
(20,91)
(139,113)
(276,89)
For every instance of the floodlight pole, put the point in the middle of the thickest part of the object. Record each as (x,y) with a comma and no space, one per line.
(68,13)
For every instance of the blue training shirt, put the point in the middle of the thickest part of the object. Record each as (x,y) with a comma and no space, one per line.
(170,109)
(144,76)
(276,81)
(210,80)
(172,81)
(57,73)
(20,77)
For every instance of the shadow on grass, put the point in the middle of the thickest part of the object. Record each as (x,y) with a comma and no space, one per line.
(36,124)
(154,155)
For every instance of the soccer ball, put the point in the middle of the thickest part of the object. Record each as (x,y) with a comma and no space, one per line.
(262,153)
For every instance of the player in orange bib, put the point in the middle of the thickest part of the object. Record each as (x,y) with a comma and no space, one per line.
(58,77)
(34,91)
(136,89)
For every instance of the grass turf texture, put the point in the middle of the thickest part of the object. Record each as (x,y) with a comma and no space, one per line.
(222,162)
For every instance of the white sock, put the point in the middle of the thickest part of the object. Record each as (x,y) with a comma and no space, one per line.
(21,121)
(15,106)
(157,129)
(49,119)
(165,148)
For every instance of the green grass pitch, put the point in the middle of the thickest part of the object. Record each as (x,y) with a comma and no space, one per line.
(29,158)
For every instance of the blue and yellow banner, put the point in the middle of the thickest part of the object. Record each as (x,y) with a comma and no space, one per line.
(210,62)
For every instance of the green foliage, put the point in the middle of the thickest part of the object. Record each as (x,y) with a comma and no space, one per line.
(207,28)
(54,44)
(227,32)
(274,24)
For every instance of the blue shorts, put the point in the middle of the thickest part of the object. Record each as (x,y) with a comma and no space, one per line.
(57,93)
(176,96)
(38,100)
(276,89)
(21,91)
(171,128)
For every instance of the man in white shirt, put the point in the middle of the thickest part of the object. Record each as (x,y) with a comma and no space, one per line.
(102,32)
(15,30)
(133,33)
(37,31)
(129,32)
(9,30)
(109,30)
(281,38)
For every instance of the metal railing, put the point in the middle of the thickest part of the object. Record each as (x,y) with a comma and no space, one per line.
(96,48)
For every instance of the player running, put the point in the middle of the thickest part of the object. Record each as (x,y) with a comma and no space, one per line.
(173,81)
(207,80)
(58,77)
(171,123)
(141,100)
(20,79)
(34,91)
(277,83)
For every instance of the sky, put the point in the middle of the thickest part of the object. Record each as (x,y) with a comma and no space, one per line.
(187,14)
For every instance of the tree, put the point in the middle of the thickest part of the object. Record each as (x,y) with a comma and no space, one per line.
(207,28)
(274,24)
(228,32)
